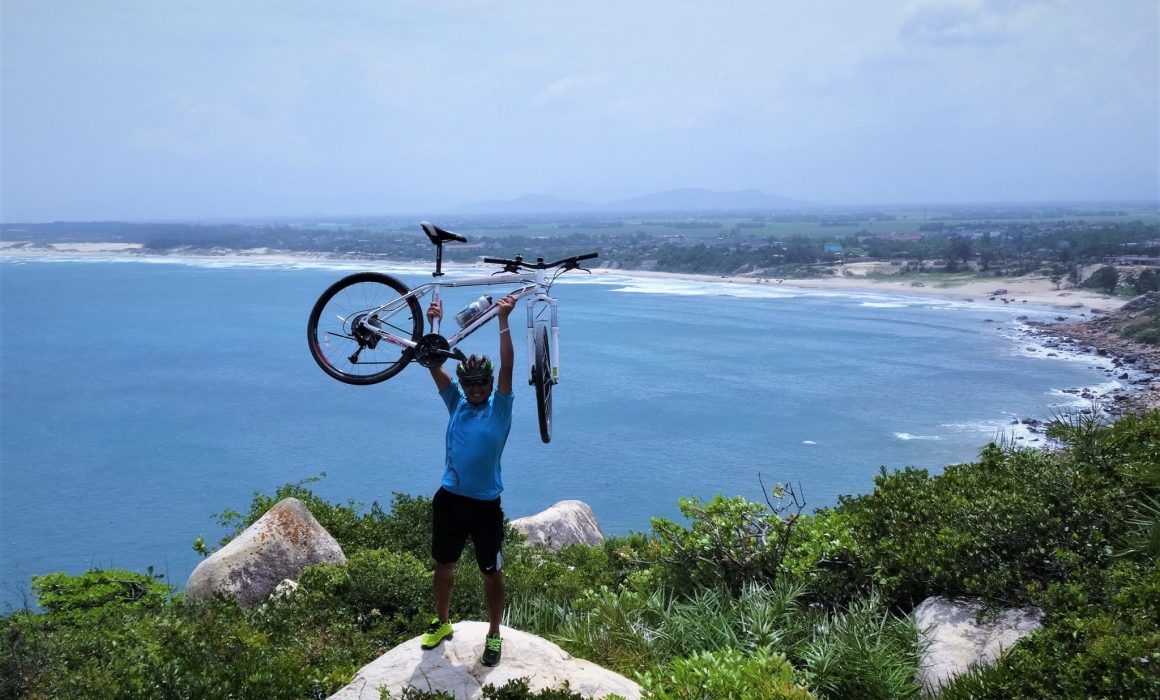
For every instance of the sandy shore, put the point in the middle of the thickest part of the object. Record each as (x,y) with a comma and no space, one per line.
(1031,290)
(851,278)
(1086,312)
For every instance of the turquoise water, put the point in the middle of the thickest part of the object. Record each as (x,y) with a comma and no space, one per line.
(141,398)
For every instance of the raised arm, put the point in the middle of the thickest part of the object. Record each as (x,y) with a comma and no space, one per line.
(506,352)
(440,375)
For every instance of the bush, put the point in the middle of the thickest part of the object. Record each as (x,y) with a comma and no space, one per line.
(89,598)
(978,530)
(728,673)
(378,588)
(1101,638)
(822,555)
(862,651)
(730,543)
(1104,279)
(179,649)
(407,528)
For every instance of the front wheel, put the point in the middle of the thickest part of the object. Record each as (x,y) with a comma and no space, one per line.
(542,378)
(341,343)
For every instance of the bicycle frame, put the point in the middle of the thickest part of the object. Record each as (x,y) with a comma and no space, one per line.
(534,285)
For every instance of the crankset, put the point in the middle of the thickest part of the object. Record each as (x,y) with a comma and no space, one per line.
(433,350)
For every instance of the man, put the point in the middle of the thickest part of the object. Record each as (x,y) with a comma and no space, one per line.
(467,503)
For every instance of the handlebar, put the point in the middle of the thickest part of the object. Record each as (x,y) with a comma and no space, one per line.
(569,263)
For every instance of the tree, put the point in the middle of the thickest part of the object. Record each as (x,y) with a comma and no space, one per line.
(1105,279)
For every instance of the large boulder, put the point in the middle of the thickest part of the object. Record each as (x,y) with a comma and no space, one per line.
(1141,303)
(565,523)
(958,640)
(278,546)
(454,667)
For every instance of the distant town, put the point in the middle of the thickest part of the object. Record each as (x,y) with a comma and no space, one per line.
(1063,242)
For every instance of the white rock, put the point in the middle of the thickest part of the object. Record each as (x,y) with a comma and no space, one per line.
(454,667)
(278,546)
(565,523)
(958,642)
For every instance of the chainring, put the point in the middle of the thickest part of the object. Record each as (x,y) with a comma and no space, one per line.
(425,351)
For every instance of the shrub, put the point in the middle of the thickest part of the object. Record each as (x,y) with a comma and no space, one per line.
(179,649)
(1101,638)
(378,588)
(407,528)
(728,673)
(1104,279)
(96,594)
(978,530)
(862,651)
(730,543)
(822,555)
(566,573)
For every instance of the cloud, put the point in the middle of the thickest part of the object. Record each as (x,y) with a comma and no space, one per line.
(965,22)
(573,87)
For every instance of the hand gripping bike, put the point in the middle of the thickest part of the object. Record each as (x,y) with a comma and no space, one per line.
(367,327)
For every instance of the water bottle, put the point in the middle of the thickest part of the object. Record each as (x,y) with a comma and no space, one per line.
(472,310)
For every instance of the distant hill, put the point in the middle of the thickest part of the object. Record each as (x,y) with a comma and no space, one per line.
(687,199)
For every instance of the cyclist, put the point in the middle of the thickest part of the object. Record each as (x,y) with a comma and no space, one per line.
(468,503)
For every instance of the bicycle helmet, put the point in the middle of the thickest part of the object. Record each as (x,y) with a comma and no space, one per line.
(476,369)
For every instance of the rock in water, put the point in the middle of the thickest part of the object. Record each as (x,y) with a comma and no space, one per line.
(565,523)
(278,546)
(958,641)
(454,667)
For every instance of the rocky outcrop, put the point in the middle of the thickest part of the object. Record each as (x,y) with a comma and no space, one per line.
(565,523)
(278,546)
(1135,365)
(1144,302)
(958,640)
(454,667)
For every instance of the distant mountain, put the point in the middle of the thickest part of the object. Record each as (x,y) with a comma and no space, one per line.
(688,199)
(697,199)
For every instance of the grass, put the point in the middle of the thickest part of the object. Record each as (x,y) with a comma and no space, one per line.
(861,651)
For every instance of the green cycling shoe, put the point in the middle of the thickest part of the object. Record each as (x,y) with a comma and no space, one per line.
(492,649)
(437,631)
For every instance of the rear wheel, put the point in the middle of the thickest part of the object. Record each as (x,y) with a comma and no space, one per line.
(341,344)
(542,379)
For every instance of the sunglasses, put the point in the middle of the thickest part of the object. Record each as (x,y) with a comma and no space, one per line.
(476,385)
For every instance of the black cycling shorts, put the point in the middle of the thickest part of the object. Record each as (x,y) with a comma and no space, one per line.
(458,517)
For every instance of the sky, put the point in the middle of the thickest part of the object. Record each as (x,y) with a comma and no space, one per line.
(210,109)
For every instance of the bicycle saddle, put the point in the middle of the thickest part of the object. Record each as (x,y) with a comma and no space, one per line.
(439,235)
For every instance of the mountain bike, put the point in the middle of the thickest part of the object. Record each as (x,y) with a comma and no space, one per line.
(367,327)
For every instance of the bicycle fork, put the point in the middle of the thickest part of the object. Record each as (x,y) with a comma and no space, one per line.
(553,338)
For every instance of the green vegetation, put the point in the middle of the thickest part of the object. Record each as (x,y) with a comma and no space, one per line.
(744,600)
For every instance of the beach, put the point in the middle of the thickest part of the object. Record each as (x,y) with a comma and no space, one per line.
(1082,326)
(999,290)
(853,277)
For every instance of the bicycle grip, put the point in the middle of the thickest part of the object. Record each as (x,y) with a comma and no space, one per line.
(587,256)
(496,261)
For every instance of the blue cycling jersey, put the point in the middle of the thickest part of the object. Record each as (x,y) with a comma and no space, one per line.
(476,436)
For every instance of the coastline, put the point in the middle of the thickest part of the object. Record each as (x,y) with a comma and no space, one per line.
(852,278)
(1083,326)
(1031,290)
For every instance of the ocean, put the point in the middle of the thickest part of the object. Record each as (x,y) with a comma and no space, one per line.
(139,398)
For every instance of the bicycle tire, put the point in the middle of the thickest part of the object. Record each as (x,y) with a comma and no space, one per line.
(333,342)
(542,379)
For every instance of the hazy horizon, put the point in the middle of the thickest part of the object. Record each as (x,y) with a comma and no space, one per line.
(141,110)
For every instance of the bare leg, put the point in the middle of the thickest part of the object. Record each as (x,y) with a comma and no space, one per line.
(444,584)
(493,592)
